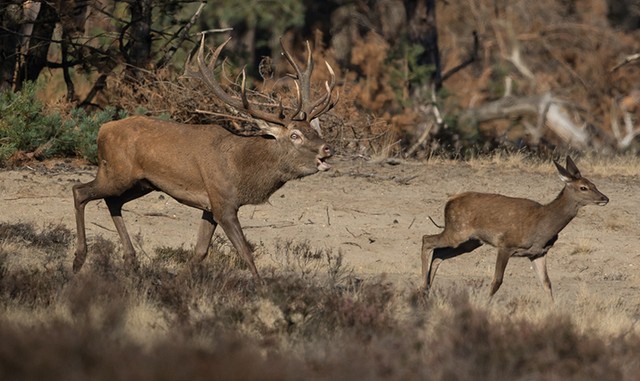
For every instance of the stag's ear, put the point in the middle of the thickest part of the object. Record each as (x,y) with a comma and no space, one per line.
(271,129)
(315,124)
(564,174)
(572,169)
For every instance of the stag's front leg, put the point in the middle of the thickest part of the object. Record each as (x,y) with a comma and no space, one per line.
(205,232)
(231,225)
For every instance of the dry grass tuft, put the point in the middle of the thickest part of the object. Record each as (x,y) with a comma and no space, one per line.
(312,319)
(591,165)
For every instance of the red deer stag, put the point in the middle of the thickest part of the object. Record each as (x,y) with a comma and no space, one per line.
(206,166)
(515,226)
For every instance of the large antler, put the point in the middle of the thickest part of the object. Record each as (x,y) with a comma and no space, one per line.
(310,110)
(305,109)
(205,73)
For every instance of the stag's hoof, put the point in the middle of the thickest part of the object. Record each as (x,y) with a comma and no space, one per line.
(131,264)
(78,261)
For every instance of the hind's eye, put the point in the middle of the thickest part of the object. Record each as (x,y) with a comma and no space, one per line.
(584,188)
(294,136)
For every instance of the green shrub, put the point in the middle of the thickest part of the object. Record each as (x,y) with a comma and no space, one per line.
(79,132)
(23,123)
(26,125)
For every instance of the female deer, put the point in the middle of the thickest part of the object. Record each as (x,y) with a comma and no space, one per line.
(515,226)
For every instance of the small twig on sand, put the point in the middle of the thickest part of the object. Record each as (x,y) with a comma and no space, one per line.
(433,222)
(328,217)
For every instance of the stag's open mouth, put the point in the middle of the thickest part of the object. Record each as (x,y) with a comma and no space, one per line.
(322,164)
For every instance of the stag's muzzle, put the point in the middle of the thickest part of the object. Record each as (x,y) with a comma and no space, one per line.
(325,153)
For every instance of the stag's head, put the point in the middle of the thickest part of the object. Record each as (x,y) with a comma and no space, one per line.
(297,130)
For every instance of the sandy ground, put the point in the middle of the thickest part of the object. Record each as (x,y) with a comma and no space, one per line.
(376,214)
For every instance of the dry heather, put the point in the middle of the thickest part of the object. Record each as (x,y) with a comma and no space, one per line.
(312,320)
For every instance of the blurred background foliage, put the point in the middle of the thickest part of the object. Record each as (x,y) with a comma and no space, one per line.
(482,75)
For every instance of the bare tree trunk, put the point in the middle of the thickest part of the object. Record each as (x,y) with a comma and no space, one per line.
(36,57)
(422,30)
(10,19)
(139,47)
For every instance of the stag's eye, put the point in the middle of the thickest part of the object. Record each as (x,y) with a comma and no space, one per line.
(584,188)
(294,136)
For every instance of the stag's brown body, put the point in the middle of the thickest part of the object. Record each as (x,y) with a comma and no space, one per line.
(189,162)
(203,166)
(516,226)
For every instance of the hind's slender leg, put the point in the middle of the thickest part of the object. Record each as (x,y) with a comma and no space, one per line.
(426,256)
(540,265)
(504,254)
(436,248)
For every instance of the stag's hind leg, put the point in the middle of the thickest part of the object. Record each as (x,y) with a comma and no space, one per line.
(115,203)
(82,194)
(115,196)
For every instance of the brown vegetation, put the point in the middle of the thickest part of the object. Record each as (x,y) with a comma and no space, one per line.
(311,320)
(316,317)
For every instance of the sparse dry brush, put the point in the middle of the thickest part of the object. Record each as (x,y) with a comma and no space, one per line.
(577,54)
(313,319)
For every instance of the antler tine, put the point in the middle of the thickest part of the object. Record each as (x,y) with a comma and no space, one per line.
(329,104)
(325,101)
(298,100)
(304,78)
(206,74)
(310,109)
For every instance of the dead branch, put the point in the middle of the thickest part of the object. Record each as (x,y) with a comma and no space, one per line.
(473,56)
(625,139)
(545,108)
(433,222)
(563,63)
(181,35)
(510,49)
(436,120)
(625,61)
(271,226)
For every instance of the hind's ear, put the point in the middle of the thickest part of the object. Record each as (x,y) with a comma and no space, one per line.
(564,174)
(572,169)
